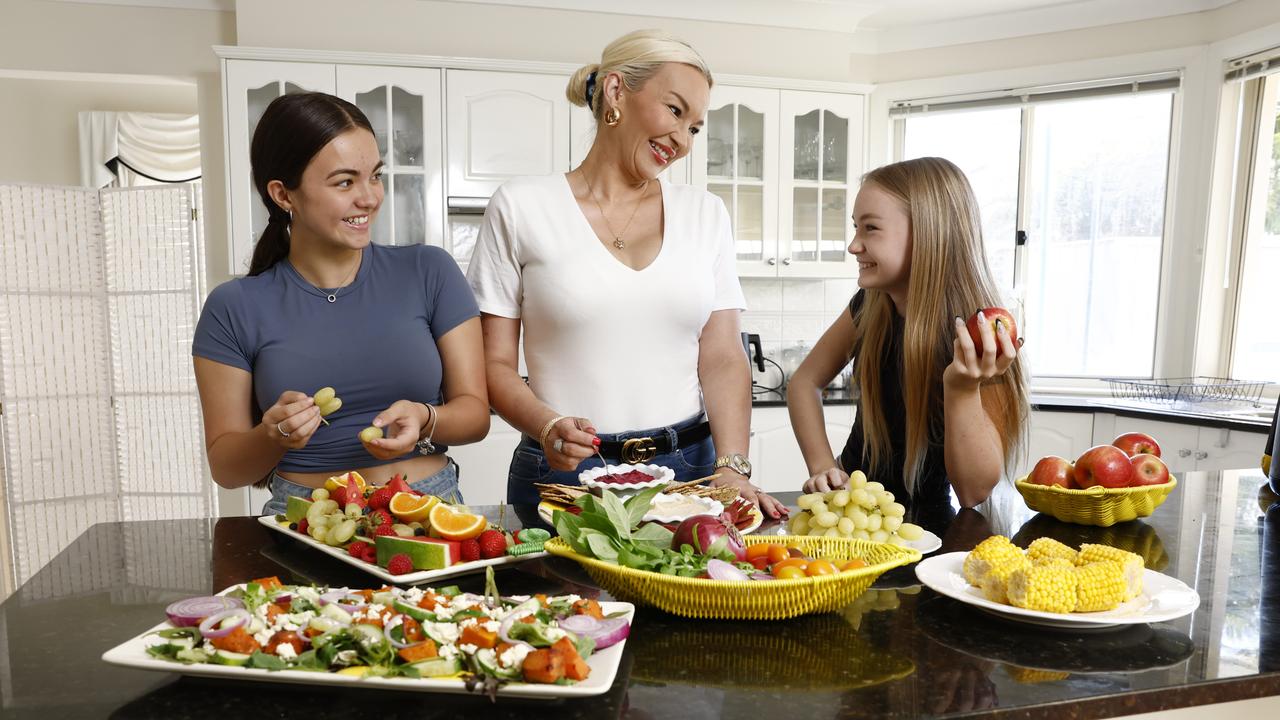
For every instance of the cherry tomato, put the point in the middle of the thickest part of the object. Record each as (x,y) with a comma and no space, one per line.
(758,550)
(760,563)
(777,553)
(820,567)
(854,564)
(790,572)
(800,563)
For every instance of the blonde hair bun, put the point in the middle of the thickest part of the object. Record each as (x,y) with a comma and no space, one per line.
(635,56)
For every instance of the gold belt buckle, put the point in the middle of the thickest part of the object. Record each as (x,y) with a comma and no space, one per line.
(639,450)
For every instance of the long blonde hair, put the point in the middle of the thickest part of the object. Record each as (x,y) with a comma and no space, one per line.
(949,277)
(635,56)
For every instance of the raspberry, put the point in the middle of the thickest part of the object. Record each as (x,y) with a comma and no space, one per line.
(384,529)
(470,550)
(381,498)
(370,553)
(492,544)
(356,549)
(400,564)
(302,526)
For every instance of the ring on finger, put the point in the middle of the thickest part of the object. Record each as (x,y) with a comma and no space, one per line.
(558,445)
(280,430)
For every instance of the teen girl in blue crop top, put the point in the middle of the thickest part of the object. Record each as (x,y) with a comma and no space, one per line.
(394,330)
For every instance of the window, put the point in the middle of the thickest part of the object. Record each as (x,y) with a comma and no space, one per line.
(1093,164)
(1255,340)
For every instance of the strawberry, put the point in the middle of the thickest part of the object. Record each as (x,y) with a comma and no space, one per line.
(492,544)
(381,498)
(470,550)
(398,484)
(378,519)
(399,564)
(383,530)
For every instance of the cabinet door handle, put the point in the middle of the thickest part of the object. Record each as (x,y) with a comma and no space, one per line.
(772,261)
(1202,454)
(1184,453)
(786,261)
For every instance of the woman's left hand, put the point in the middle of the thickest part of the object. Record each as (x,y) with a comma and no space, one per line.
(771,508)
(967,371)
(402,423)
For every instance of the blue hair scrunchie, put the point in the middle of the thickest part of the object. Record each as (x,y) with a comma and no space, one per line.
(591,87)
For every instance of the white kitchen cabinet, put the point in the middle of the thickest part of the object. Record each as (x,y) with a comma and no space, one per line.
(820,166)
(1065,434)
(249,86)
(777,463)
(404,107)
(736,158)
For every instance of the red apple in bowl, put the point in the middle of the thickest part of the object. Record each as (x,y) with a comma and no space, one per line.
(1053,470)
(1148,470)
(1136,443)
(1104,465)
(994,317)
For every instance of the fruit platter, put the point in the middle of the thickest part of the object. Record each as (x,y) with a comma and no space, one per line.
(398,535)
(416,639)
(1052,584)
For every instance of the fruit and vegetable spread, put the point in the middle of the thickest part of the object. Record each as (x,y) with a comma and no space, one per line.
(399,529)
(1053,577)
(862,510)
(391,632)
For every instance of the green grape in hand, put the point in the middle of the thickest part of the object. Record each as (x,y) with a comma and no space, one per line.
(326,398)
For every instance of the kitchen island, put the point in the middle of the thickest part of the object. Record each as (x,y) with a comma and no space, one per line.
(899,651)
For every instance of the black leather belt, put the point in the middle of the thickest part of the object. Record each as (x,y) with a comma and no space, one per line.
(644,449)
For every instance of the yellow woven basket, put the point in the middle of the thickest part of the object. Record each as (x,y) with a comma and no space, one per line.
(1097,505)
(764,600)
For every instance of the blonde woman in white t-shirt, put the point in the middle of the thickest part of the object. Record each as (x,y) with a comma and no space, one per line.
(625,289)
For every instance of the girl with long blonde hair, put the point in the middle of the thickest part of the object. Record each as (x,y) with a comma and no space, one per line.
(934,412)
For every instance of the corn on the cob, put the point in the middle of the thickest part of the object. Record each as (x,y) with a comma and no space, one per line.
(1046,548)
(1100,586)
(1048,588)
(995,584)
(1131,563)
(1031,676)
(990,554)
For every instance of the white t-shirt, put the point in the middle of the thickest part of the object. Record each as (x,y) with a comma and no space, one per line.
(602,341)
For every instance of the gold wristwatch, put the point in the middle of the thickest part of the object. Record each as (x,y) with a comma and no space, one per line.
(737,462)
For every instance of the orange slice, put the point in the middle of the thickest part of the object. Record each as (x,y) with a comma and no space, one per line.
(409,507)
(340,481)
(454,525)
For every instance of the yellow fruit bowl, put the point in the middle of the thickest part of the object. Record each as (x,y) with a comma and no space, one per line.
(1097,505)
(758,600)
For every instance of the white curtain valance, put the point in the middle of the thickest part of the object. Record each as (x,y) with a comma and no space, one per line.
(161,146)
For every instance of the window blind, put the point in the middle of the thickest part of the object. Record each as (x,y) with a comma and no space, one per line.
(1252,66)
(1154,82)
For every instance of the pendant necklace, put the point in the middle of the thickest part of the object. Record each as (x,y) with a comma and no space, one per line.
(617,237)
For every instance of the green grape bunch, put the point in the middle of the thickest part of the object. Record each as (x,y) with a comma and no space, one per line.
(864,511)
(326,398)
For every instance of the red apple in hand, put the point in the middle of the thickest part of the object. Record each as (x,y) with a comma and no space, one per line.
(994,317)
(1053,470)
(1136,443)
(1148,470)
(1104,465)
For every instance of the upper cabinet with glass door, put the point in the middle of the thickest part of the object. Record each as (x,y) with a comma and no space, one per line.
(736,158)
(821,138)
(250,86)
(403,105)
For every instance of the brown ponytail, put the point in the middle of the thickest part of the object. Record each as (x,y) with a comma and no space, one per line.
(292,130)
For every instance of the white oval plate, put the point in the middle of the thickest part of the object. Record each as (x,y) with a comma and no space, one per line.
(927,543)
(1163,598)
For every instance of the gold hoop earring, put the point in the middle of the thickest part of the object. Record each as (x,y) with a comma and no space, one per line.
(612,117)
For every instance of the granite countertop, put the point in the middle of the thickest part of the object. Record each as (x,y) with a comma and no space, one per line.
(1231,416)
(898,651)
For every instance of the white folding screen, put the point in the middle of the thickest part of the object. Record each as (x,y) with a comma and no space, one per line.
(99,293)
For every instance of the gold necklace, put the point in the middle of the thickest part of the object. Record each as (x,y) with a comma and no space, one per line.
(617,237)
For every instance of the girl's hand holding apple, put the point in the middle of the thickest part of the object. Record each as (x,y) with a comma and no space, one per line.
(971,363)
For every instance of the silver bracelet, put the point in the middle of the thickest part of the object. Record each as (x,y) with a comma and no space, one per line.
(425,446)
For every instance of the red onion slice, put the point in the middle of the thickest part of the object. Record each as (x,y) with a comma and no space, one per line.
(721,570)
(525,608)
(340,598)
(761,576)
(213,627)
(386,631)
(609,631)
(189,612)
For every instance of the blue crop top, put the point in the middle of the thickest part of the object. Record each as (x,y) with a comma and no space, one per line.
(376,344)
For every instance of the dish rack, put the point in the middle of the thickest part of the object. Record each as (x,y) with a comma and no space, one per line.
(1197,389)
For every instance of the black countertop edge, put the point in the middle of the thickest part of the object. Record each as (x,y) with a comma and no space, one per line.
(1067,403)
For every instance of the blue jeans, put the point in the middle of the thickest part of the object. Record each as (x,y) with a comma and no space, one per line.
(529,464)
(444,485)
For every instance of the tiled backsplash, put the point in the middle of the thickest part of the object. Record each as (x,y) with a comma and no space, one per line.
(788,311)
